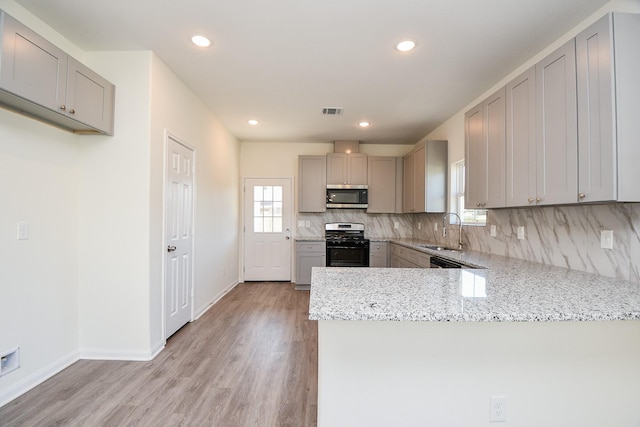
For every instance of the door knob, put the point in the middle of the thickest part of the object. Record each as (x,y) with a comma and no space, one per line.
(171,248)
(287,237)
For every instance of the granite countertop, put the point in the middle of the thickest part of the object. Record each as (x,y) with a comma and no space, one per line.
(502,290)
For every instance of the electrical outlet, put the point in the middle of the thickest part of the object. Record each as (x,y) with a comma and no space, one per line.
(23,230)
(606,239)
(520,232)
(301,224)
(435,226)
(307,224)
(494,233)
(419,226)
(498,410)
(396,225)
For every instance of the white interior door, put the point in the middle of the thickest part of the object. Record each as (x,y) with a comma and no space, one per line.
(267,229)
(179,231)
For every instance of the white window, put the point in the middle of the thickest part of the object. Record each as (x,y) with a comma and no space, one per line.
(469,216)
(267,209)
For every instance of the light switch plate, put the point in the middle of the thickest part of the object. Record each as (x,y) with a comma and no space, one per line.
(606,239)
(494,232)
(300,224)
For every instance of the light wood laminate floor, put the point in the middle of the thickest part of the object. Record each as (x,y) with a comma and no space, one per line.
(251,360)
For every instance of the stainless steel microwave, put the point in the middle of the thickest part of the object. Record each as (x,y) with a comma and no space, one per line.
(347,196)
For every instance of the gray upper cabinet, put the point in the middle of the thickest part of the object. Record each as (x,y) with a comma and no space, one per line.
(541,132)
(521,140)
(38,79)
(557,127)
(382,184)
(608,66)
(312,183)
(90,98)
(346,169)
(485,153)
(425,178)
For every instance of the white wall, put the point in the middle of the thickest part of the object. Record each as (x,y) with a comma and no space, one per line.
(38,277)
(88,283)
(554,374)
(177,110)
(114,218)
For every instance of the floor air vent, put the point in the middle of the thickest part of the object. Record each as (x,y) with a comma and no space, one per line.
(332,111)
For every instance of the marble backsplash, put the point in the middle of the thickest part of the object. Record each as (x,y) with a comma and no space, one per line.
(565,236)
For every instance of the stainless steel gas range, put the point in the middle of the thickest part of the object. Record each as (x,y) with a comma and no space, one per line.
(346,245)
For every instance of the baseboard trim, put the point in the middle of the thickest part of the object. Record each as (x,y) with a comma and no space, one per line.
(215,300)
(118,354)
(22,386)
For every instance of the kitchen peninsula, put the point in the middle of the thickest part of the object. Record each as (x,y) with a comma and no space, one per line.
(430,347)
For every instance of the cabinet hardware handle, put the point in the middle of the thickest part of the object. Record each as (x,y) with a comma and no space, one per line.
(581,196)
(171,248)
(538,199)
(63,107)
(72,111)
(530,200)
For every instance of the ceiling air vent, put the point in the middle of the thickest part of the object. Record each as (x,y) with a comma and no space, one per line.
(332,111)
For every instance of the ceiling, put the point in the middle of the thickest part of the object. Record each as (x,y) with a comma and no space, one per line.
(282,61)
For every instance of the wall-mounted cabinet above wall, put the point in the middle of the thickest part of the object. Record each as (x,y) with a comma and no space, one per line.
(425,178)
(312,183)
(42,81)
(346,169)
(485,153)
(572,125)
(608,64)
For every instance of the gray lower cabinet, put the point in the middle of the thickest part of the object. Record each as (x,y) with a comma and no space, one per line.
(403,257)
(608,70)
(308,255)
(379,254)
(38,79)
(312,183)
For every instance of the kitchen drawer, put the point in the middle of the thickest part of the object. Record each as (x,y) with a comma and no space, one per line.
(413,256)
(310,246)
(398,250)
(378,247)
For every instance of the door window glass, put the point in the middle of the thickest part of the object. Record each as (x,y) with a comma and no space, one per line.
(267,209)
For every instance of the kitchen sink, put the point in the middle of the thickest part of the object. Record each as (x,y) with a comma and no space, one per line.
(438,248)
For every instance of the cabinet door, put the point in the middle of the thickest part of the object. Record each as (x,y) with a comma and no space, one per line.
(597,171)
(379,254)
(312,183)
(382,184)
(420,179)
(337,168)
(557,135)
(475,158)
(521,140)
(90,98)
(31,67)
(357,169)
(305,262)
(408,185)
(494,108)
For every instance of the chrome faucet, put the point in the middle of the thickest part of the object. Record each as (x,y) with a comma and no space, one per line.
(444,227)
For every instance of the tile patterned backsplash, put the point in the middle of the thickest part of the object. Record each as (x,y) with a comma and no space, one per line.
(565,236)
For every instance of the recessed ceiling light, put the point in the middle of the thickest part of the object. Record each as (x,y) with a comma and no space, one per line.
(201,41)
(364,124)
(253,122)
(406,45)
